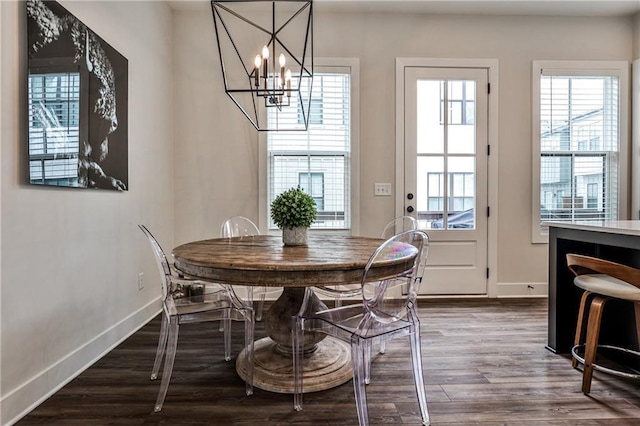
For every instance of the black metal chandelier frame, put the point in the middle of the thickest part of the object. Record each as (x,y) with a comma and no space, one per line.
(264,81)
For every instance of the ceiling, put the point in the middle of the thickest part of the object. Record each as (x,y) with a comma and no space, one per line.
(463,7)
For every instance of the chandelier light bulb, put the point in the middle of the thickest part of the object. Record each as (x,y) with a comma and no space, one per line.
(281,60)
(287,79)
(265,71)
(257,61)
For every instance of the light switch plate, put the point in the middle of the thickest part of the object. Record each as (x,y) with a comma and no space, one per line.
(382,189)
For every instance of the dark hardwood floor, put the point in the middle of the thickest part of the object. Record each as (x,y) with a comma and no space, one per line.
(485,364)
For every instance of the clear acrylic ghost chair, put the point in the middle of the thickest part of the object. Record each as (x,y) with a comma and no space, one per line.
(379,315)
(182,287)
(396,226)
(240,226)
(184,301)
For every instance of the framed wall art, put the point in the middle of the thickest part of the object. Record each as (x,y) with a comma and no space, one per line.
(77,90)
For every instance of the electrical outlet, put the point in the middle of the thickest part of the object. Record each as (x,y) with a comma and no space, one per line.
(382,189)
(140,280)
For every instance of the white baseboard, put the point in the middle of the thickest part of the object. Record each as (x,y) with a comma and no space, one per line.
(522,289)
(18,402)
(513,290)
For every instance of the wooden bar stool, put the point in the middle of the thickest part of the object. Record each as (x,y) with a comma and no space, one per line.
(601,281)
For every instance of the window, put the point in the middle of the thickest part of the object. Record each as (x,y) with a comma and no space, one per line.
(461,187)
(462,109)
(435,192)
(592,195)
(580,142)
(319,159)
(313,184)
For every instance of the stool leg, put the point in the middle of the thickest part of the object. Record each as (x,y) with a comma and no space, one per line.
(584,302)
(636,306)
(591,346)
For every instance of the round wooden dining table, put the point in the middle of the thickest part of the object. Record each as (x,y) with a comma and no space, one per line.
(263,260)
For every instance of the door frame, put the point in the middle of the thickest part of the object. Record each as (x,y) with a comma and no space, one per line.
(491,65)
(635,139)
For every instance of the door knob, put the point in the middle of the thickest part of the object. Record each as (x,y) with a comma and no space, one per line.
(410,209)
(410,196)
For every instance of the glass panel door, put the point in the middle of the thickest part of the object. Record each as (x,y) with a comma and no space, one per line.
(446,173)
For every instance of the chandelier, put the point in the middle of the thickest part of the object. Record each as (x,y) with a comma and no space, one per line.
(266,56)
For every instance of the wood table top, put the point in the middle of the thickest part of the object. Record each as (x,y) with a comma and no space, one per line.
(263,260)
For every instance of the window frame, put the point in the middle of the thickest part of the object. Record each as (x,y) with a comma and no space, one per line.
(322,65)
(620,69)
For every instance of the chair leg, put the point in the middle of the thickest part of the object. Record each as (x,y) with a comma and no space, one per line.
(591,346)
(172,344)
(222,324)
(367,361)
(416,360)
(260,309)
(383,345)
(359,361)
(226,322)
(162,344)
(580,324)
(297,337)
(249,322)
(636,306)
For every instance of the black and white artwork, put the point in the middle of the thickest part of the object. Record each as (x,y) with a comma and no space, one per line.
(77,103)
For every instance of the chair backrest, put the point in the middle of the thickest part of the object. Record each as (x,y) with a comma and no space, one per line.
(238,226)
(378,294)
(161,261)
(580,265)
(398,225)
(403,224)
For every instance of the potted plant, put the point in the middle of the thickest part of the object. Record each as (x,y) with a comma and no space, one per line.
(294,211)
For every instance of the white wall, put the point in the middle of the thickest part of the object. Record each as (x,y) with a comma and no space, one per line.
(216,157)
(71,257)
(216,172)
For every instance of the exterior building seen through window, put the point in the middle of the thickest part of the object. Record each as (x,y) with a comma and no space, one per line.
(54,127)
(578,147)
(318,159)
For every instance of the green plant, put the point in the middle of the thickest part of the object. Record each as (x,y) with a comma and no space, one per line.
(293,208)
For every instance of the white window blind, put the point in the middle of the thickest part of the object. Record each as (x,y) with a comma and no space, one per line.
(579,146)
(317,159)
(54,120)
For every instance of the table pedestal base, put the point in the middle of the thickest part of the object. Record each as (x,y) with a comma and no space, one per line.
(329,366)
